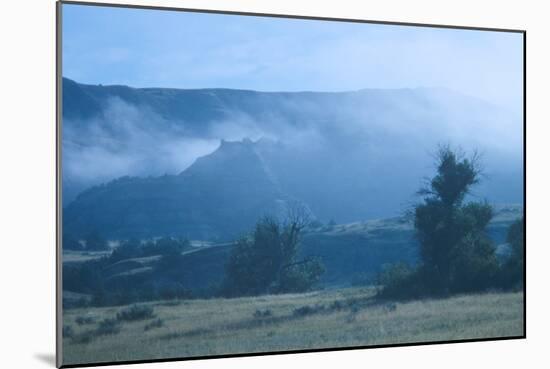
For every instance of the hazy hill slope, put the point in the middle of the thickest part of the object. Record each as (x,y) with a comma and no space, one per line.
(219,197)
(349,155)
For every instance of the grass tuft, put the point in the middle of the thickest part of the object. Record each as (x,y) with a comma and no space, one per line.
(84,320)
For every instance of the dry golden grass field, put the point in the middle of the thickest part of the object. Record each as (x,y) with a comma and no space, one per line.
(323,319)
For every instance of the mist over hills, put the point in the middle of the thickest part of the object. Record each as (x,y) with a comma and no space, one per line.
(347,155)
(220,196)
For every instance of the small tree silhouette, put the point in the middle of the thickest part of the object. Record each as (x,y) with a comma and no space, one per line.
(266,261)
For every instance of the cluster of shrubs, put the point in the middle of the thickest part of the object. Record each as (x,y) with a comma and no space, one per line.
(68,331)
(308,310)
(336,305)
(166,246)
(91,277)
(84,320)
(262,316)
(403,281)
(107,326)
(270,253)
(135,312)
(157,323)
(126,291)
(113,325)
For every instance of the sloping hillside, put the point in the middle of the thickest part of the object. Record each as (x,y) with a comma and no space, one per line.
(219,197)
(349,155)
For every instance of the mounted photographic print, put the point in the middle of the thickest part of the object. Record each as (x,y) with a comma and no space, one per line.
(237,184)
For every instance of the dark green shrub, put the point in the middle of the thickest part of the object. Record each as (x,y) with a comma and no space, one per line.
(135,312)
(83,277)
(166,246)
(157,323)
(107,326)
(127,249)
(84,337)
(263,313)
(337,305)
(299,277)
(308,310)
(511,272)
(397,281)
(83,320)
(68,331)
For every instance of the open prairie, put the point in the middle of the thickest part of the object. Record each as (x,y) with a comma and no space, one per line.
(322,319)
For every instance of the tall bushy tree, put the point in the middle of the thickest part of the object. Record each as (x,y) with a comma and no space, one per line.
(266,261)
(456,253)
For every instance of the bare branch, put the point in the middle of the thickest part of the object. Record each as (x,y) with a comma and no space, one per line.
(298,215)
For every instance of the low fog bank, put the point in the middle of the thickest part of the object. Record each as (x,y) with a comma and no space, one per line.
(349,155)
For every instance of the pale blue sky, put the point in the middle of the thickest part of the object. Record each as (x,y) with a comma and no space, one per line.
(151,48)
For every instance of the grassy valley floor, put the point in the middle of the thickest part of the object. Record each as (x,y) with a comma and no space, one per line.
(324,319)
